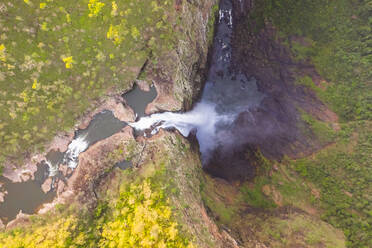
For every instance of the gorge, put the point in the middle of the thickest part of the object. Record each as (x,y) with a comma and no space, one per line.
(230,123)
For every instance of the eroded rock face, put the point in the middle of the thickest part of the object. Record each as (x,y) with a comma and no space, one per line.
(21,220)
(116,105)
(47,185)
(172,153)
(143,85)
(95,162)
(179,76)
(274,127)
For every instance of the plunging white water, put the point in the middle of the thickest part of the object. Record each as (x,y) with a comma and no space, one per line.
(226,94)
(77,146)
(53,168)
(203,118)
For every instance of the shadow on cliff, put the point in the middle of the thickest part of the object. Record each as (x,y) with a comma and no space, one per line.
(275,127)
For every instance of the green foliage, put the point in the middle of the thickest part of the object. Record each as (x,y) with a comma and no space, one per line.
(343,174)
(57,57)
(307,82)
(212,22)
(321,130)
(338,37)
(140,217)
(223,212)
(254,196)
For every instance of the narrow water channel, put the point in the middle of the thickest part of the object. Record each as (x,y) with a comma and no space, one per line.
(226,94)
(28,196)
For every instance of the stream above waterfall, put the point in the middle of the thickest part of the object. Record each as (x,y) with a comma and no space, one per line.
(226,94)
(28,196)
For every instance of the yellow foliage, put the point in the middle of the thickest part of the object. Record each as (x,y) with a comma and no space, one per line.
(114,11)
(42,5)
(135,32)
(144,221)
(113,34)
(45,236)
(27,2)
(44,26)
(95,7)
(2,53)
(68,18)
(35,84)
(68,62)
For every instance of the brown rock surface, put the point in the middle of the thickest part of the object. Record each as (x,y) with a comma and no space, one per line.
(143,85)
(180,73)
(21,220)
(94,163)
(47,185)
(116,105)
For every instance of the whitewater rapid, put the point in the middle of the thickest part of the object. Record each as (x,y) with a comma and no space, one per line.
(77,146)
(203,118)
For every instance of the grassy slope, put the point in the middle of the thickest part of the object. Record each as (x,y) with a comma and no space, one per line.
(334,184)
(56,57)
(274,210)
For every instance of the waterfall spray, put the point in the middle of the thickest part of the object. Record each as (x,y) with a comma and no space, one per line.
(226,94)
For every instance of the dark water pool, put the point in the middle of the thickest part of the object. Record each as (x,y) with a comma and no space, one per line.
(25,196)
(138,99)
(28,196)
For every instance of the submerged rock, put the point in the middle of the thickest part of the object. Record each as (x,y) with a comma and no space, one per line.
(94,162)
(47,185)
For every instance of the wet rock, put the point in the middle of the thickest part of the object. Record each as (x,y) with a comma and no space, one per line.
(21,220)
(2,195)
(116,105)
(180,73)
(94,162)
(24,173)
(65,170)
(47,185)
(61,186)
(61,141)
(2,192)
(66,197)
(143,85)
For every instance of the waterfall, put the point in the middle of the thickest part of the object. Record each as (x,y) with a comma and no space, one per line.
(203,118)
(77,146)
(226,94)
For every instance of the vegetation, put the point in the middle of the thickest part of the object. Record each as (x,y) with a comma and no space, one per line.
(212,23)
(334,184)
(336,39)
(56,57)
(140,217)
(342,174)
(137,207)
(321,130)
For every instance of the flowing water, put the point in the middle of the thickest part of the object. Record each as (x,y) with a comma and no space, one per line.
(28,196)
(226,94)
(103,125)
